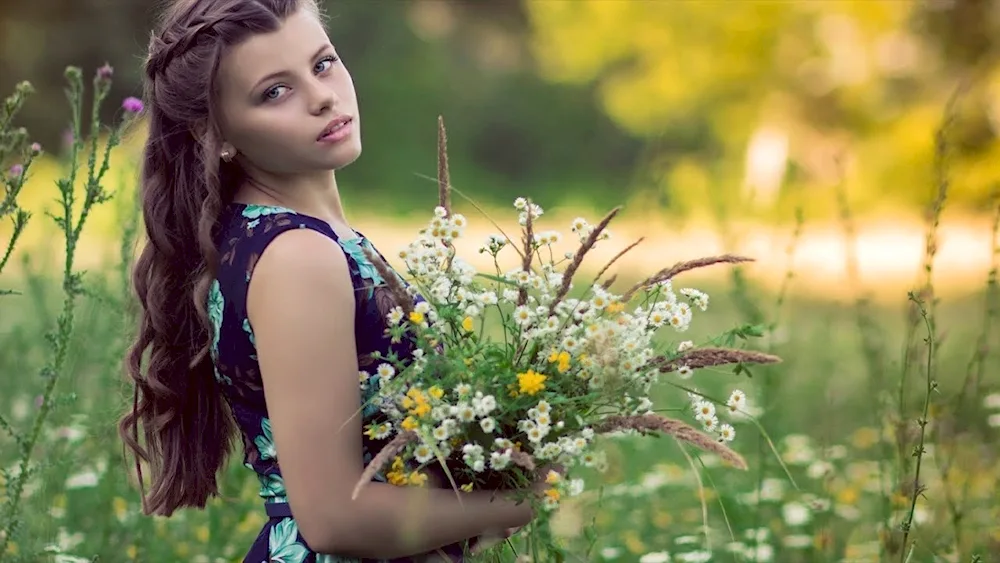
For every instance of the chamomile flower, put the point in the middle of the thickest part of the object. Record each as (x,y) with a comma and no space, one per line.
(737,401)
(441,432)
(386,371)
(703,410)
(488,424)
(423,453)
(395,316)
(464,412)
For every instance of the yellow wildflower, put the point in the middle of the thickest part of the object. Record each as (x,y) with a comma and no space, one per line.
(552,494)
(409,423)
(397,478)
(530,382)
(617,307)
(563,362)
(418,479)
(553,477)
(436,392)
(416,317)
(466,487)
(467,324)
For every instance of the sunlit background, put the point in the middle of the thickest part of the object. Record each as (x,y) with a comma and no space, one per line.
(812,135)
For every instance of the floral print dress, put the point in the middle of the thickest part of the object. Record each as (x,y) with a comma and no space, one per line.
(246,231)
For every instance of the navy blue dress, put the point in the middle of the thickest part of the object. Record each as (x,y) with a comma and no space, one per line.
(246,231)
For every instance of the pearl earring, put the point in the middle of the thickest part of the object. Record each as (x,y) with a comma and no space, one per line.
(227,156)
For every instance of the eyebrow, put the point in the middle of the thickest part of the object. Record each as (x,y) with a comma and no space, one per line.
(281,73)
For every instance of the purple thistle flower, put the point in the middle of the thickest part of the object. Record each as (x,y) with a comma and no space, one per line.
(105,72)
(16,171)
(36,149)
(132,104)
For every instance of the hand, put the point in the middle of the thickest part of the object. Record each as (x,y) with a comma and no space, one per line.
(540,484)
(489,540)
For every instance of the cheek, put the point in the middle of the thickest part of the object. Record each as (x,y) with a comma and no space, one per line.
(270,139)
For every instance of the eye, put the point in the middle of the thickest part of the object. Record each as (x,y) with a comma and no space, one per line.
(272,93)
(325,64)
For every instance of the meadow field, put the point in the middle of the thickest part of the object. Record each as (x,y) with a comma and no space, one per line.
(874,440)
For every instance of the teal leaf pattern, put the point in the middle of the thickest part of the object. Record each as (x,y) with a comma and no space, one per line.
(265,442)
(271,485)
(255,212)
(249,332)
(353,248)
(284,545)
(216,304)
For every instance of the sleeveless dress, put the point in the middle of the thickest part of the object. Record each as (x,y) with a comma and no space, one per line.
(245,232)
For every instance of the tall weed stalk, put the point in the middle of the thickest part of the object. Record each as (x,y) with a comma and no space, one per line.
(70,218)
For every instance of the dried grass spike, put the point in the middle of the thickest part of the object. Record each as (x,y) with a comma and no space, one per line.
(671,427)
(578,258)
(529,253)
(444,177)
(382,459)
(617,256)
(522,459)
(680,267)
(706,357)
(392,281)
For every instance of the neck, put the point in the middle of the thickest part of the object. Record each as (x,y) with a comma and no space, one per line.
(316,195)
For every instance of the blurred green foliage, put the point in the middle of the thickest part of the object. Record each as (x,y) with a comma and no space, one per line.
(669,104)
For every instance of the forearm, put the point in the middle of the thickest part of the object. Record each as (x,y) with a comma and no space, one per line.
(386,521)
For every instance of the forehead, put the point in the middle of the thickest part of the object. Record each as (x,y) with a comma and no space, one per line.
(286,48)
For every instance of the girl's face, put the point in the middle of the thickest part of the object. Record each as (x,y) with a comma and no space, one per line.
(281,93)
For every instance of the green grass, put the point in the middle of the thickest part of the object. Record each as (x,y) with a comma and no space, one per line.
(819,395)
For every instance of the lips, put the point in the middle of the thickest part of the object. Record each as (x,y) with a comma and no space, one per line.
(335,124)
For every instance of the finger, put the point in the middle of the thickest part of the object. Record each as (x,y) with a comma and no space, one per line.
(485,542)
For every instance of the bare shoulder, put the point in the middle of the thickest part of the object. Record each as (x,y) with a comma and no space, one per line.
(299,258)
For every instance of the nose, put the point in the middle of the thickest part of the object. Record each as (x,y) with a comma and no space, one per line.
(322,97)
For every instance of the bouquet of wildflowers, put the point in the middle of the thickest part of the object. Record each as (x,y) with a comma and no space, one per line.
(511,374)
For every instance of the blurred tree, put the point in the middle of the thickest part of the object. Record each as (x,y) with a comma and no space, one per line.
(758,100)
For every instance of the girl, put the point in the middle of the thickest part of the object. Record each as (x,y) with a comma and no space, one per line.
(259,306)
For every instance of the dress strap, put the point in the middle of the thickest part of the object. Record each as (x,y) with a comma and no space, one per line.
(278,509)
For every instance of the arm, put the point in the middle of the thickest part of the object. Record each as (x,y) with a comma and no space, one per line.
(301,305)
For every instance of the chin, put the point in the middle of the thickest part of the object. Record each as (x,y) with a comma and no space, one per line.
(344,157)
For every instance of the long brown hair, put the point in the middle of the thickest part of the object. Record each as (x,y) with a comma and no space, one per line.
(187,428)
